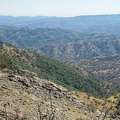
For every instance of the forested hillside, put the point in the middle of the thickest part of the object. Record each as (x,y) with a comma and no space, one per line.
(58,72)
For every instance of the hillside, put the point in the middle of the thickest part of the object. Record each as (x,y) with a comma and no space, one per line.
(62,44)
(106,67)
(75,51)
(56,71)
(107,24)
(25,96)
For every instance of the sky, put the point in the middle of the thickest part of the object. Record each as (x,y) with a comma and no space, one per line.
(60,8)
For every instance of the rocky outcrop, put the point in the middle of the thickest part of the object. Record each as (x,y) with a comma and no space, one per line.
(33,96)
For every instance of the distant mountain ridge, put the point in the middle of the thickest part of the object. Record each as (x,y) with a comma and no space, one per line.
(109,24)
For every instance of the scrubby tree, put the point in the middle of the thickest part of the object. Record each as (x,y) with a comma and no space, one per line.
(6,61)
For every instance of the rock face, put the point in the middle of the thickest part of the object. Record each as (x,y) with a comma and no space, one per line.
(24,95)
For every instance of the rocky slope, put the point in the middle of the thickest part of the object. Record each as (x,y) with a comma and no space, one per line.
(23,93)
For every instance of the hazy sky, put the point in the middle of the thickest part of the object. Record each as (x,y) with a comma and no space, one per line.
(58,7)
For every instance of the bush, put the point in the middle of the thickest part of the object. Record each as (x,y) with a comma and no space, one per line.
(6,61)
